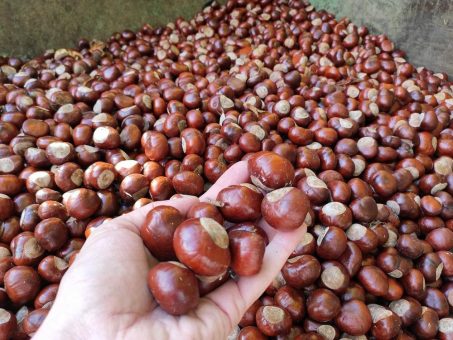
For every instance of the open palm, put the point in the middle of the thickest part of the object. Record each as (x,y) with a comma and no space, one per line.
(104,294)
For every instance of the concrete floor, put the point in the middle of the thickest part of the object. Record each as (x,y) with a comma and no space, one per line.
(423,28)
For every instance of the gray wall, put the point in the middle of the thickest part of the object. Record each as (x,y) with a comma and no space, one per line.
(423,28)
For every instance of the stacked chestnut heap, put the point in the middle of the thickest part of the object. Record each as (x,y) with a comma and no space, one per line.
(91,133)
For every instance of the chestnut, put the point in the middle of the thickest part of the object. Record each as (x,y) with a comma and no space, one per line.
(22,284)
(192,141)
(306,246)
(395,290)
(363,237)
(364,209)
(133,187)
(8,324)
(426,327)
(174,287)
(386,324)
(315,189)
(248,319)
(269,171)
(7,208)
(60,152)
(204,209)
(273,320)
(51,234)
(6,264)
(331,243)
(34,320)
(338,130)
(334,276)
(384,183)
(440,239)
(431,267)
(445,328)
(158,229)
(52,268)
(81,203)
(285,208)
(188,183)
(155,145)
(49,209)
(240,203)
(301,271)
(25,249)
(207,284)
(292,301)
(374,280)
(408,309)
(161,188)
(414,283)
(354,292)
(409,246)
(39,180)
(336,214)
(47,194)
(106,137)
(250,333)
(99,175)
(202,245)
(436,300)
(71,247)
(351,258)
(323,305)
(354,318)
(247,251)
(11,227)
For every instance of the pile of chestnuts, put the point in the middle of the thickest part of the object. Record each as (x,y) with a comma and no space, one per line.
(93,132)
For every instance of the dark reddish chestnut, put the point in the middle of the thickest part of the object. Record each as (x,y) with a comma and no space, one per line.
(240,203)
(273,320)
(158,229)
(202,245)
(204,209)
(174,287)
(22,284)
(247,251)
(323,305)
(354,318)
(269,171)
(285,208)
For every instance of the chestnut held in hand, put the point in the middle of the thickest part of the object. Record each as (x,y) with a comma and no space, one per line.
(158,229)
(202,245)
(174,287)
(269,171)
(240,203)
(247,251)
(285,208)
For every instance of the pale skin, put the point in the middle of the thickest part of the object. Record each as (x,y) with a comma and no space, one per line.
(104,294)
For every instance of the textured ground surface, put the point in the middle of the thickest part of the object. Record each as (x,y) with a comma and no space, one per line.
(424,28)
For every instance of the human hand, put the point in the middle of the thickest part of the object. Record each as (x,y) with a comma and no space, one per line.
(104,294)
